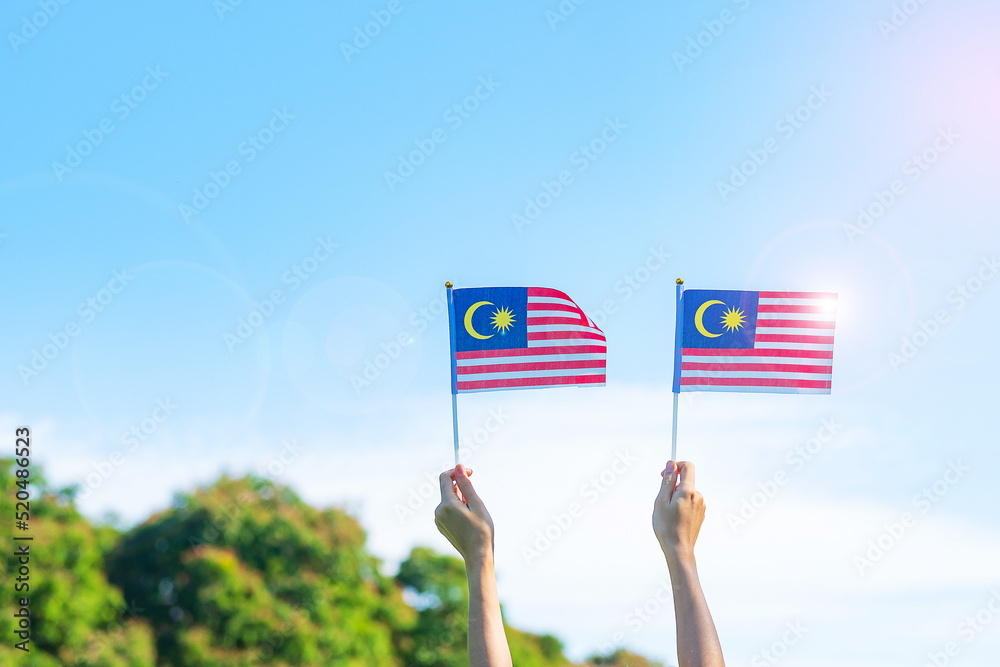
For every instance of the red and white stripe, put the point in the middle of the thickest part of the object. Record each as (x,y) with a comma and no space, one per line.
(792,353)
(565,347)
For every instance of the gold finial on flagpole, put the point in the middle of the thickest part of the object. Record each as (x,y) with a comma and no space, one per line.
(680,281)
(448,285)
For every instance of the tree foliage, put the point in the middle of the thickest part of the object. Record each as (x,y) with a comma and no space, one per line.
(245,572)
(621,658)
(77,617)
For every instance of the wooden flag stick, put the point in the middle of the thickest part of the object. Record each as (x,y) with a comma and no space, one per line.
(454,381)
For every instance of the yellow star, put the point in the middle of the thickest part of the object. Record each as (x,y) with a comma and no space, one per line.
(733,319)
(503,319)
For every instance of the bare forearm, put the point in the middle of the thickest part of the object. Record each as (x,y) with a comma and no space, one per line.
(487,641)
(697,641)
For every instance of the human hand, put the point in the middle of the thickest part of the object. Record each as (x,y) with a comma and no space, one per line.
(463,519)
(678,511)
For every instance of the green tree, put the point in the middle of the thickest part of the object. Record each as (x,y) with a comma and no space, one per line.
(244,572)
(441,593)
(77,618)
(621,658)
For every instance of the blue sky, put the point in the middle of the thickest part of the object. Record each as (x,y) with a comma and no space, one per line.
(256,119)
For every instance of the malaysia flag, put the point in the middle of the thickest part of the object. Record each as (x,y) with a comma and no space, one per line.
(522,338)
(779,342)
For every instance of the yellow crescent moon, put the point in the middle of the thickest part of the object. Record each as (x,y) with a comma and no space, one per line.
(697,319)
(468,320)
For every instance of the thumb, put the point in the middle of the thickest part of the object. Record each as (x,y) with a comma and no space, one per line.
(669,478)
(471,497)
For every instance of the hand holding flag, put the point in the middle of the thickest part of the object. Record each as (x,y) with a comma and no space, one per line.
(462,516)
(678,511)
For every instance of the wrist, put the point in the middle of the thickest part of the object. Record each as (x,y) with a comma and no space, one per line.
(680,557)
(480,574)
(479,560)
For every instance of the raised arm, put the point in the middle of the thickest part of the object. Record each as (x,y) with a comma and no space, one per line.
(677,517)
(463,519)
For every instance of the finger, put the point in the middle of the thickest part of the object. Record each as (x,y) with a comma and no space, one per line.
(669,475)
(448,494)
(686,473)
(471,497)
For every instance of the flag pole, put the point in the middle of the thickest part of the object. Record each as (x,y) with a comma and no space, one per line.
(673,438)
(679,320)
(454,377)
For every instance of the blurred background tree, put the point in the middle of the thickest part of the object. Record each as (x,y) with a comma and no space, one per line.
(622,658)
(77,617)
(245,572)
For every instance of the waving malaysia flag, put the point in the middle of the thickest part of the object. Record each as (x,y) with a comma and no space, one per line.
(522,338)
